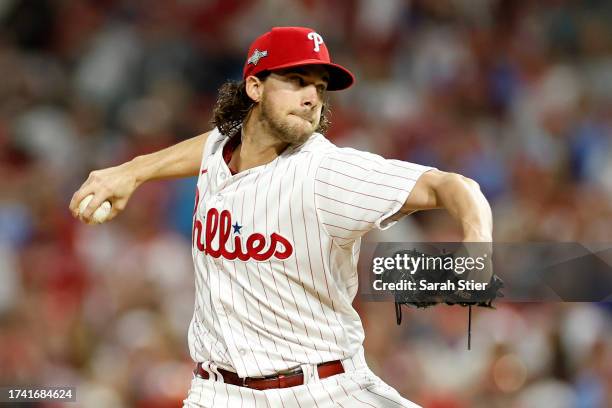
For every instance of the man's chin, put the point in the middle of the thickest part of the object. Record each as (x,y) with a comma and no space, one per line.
(298,134)
(295,130)
(305,132)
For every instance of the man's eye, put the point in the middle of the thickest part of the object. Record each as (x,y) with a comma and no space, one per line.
(298,81)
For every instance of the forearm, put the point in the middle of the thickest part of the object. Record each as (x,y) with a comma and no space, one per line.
(180,160)
(117,183)
(462,198)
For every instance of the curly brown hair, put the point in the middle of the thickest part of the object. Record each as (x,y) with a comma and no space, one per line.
(233,105)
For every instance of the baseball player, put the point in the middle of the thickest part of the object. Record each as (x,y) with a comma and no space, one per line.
(278,217)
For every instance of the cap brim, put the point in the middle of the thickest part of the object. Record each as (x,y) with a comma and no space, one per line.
(339,77)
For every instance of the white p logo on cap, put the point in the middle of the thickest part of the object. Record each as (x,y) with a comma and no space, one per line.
(317,39)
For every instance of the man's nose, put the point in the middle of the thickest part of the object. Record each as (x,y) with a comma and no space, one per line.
(310,96)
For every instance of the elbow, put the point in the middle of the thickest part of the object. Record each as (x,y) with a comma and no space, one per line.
(456,185)
(455,179)
(459,180)
(472,183)
(435,189)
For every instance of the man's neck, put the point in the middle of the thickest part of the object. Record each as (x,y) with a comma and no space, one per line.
(258,146)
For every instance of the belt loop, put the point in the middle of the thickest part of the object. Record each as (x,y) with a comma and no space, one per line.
(306,372)
(213,368)
(206,366)
(310,373)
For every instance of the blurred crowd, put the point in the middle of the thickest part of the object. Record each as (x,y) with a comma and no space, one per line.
(514,94)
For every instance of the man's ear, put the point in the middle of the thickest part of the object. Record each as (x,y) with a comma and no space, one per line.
(254,88)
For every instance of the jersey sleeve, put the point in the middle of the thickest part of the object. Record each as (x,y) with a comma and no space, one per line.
(210,147)
(356,191)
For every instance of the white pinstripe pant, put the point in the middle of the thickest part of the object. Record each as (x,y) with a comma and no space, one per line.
(356,387)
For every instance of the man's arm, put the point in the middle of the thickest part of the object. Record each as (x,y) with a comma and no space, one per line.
(460,196)
(117,184)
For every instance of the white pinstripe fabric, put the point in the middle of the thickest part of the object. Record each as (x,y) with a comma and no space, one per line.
(258,317)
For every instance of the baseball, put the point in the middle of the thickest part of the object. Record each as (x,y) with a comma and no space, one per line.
(102,212)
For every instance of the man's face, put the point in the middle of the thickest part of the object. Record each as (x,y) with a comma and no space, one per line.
(292,101)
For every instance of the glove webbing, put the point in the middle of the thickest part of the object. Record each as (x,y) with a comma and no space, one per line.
(398,319)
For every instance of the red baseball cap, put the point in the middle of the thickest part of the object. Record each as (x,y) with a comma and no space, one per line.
(285,47)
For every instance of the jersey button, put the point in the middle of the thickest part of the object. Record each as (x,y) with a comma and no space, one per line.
(242,352)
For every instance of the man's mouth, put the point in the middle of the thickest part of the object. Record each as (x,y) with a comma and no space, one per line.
(308,119)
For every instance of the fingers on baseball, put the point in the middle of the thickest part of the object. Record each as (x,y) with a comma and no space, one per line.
(86,189)
(76,199)
(86,214)
(96,202)
(93,185)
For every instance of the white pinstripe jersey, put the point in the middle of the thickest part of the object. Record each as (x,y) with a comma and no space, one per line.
(275,250)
